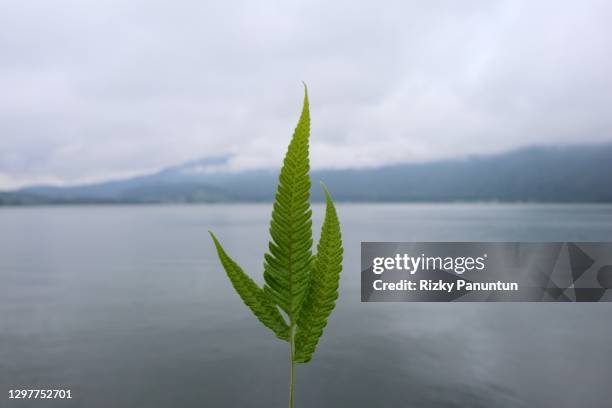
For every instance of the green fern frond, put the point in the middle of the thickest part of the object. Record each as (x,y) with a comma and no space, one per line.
(323,290)
(304,286)
(288,263)
(252,295)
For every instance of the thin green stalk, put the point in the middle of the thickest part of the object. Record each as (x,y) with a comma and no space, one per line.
(292,361)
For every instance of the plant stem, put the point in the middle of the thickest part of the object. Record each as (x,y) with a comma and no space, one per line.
(292,362)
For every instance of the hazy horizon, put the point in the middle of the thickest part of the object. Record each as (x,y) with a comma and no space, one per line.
(224,168)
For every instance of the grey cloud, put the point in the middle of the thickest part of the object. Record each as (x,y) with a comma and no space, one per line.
(101,89)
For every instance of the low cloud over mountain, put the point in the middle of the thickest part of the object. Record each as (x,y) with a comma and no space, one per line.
(537,174)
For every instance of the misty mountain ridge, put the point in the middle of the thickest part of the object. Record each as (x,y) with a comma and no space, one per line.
(579,173)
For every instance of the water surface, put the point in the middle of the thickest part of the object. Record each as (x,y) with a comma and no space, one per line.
(128,307)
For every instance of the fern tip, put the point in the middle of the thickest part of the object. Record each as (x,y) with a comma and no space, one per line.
(214,238)
(326,191)
(305,94)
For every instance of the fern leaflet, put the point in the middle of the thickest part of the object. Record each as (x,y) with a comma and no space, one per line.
(323,290)
(252,295)
(287,265)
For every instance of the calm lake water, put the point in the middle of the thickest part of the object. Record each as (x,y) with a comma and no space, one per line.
(129,307)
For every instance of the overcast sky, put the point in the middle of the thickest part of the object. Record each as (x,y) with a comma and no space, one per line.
(97,89)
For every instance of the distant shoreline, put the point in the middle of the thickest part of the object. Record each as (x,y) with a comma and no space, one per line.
(341,202)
